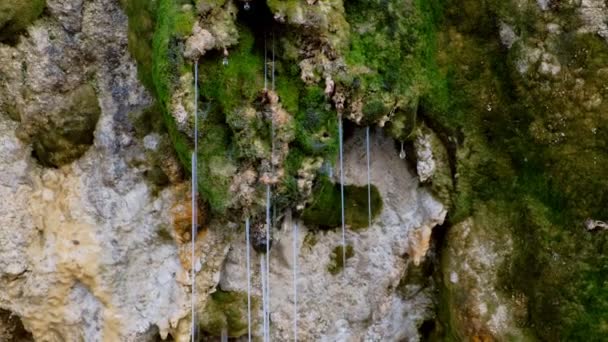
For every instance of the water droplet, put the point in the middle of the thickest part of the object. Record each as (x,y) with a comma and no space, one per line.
(246,6)
(225,61)
(402,153)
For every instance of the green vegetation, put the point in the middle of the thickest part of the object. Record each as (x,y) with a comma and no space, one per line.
(325,209)
(237,84)
(337,261)
(142,22)
(225,310)
(526,147)
(531,144)
(17,15)
(388,61)
(233,130)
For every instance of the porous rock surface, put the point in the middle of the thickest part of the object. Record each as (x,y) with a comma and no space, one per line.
(82,256)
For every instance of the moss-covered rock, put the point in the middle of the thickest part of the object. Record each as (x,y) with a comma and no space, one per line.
(17,15)
(325,209)
(514,92)
(337,261)
(68,134)
(522,118)
(225,310)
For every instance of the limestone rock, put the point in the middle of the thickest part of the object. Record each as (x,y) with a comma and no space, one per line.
(81,253)
(368,295)
(199,42)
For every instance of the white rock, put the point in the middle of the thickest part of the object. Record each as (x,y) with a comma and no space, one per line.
(199,42)
(508,37)
(85,234)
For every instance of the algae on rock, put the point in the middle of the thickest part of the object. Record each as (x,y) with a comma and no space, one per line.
(17,15)
(324,210)
(69,133)
(225,310)
(514,94)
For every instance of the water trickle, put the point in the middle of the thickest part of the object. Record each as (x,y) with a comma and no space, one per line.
(295,282)
(224,335)
(194,168)
(402,153)
(341,141)
(369,182)
(225,60)
(264,308)
(266,272)
(247,236)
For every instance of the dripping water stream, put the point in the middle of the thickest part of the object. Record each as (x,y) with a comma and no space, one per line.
(248,252)
(341,137)
(263,278)
(295,282)
(194,168)
(369,185)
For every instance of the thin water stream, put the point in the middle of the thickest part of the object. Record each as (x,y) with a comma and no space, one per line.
(295,282)
(341,141)
(248,252)
(369,183)
(194,168)
(263,278)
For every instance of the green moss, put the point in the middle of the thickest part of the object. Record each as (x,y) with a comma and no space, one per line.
(216,166)
(504,126)
(184,21)
(17,15)
(317,124)
(385,59)
(288,90)
(310,240)
(167,63)
(225,310)
(325,208)
(237,84)
(142,21)
(232,129)
(337,261)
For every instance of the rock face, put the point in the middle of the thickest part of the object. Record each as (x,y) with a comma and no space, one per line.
(472,260)
(82,253)
(501,102)
(363,303)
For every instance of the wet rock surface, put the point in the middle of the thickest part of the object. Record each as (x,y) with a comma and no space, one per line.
(374,309)
(501,103)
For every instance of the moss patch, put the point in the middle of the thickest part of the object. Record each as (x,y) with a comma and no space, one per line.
(325,208)
(524,146)
(337,262)
(225,310)
(142,23)
(17,15)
